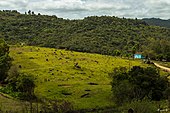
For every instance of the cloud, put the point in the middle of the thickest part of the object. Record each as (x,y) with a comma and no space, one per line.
(13,4)
(75,9)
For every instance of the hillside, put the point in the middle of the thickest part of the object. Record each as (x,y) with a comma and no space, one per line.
(7,104)
(157,22)
(104,35)
(80,78)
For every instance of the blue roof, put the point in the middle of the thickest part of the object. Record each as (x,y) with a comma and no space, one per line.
(138,56)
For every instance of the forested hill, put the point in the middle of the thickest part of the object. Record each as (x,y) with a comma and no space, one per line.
(157,22)
(104,35)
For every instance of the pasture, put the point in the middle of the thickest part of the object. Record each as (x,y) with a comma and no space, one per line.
(80,78)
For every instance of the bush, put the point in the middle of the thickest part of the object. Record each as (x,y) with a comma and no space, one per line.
(25,84)
(20,85)
(138,83)
(122,92)
(5,60)
(144,106)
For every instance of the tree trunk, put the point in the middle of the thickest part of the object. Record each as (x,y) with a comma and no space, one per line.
(169,102)
(31,107)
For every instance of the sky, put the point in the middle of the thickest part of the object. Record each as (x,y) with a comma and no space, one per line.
(78,9)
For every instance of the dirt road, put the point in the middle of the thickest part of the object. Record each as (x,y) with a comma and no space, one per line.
(162,67)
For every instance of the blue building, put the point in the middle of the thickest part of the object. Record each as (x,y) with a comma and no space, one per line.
(138,56)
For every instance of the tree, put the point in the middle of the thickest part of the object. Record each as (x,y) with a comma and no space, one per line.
(33,13)
(25,84)
(13,75)
(92,34)
(167,56)
(22,85)
(29,12)
(138,83)
(5,60)
(133,50)
(167,95)
(116,53)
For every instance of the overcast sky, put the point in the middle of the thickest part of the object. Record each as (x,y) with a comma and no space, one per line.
(78,9)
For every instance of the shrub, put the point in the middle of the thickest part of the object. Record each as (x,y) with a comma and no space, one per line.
(13,74)
(20,85)
(138,83)
(144,106)
(25,84)
(5,60)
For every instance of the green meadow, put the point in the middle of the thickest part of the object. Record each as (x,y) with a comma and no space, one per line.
(80,78)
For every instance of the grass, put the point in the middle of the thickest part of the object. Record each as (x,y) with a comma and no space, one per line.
(9,104)
(80,78)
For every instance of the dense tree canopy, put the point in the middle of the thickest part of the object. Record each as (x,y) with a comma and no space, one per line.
(104,35)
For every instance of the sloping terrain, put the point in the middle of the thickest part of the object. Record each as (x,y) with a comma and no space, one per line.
(9,104)
(80,78)
(105,35)
(157,22)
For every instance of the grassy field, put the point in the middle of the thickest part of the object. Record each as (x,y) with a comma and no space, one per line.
(10,105)
(80,78)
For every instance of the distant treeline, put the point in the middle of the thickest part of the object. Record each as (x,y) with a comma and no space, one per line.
(157,22)
(104,35)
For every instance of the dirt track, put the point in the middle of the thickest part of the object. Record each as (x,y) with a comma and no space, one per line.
(162,67)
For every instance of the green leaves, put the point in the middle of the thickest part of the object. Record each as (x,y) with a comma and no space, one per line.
(103,35)
(4,48)
(25,83)
(138,83)
(5,60)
